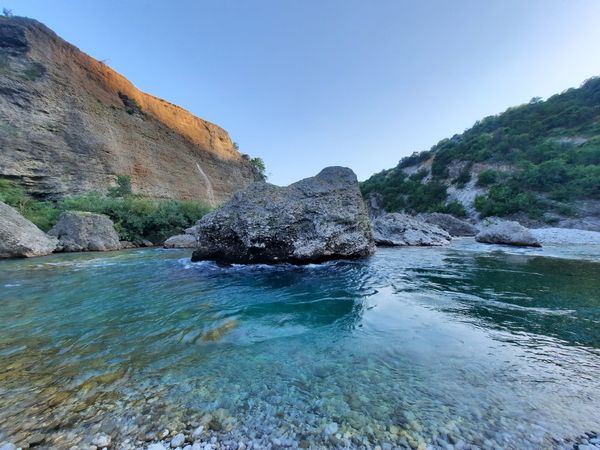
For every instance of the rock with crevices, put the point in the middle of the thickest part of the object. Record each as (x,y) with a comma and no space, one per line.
(79,231)
(397,229)
(454,226)
(313,220)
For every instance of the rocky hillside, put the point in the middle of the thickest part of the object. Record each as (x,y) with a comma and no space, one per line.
(70,124)
(538,163)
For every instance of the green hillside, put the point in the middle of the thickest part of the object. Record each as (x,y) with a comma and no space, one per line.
(551,149)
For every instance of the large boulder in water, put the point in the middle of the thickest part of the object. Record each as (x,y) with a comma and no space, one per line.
(508,233)
(79,231)
(396,229)
(316,219)
(455,227)
(19,238)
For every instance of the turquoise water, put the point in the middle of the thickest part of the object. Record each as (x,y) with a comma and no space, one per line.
(412,347)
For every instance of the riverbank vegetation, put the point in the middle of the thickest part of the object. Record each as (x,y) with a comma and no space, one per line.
(550,151)
(136,218)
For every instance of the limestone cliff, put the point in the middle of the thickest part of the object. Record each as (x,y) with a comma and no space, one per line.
(70,124)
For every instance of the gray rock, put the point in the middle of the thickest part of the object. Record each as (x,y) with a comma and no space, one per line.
(331,428)
(82,231)
(102,441)
(157,446)
(20,238)
(181,241)
(506,232)
(198,431)
(398,229)
(314,220)
(7,446)
(177,440)
(127,244)
(449,223)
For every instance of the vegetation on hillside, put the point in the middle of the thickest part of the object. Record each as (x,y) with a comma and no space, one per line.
(136,218)
(553,147)
(401,192)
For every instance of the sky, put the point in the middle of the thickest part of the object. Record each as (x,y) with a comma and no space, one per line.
(306,84)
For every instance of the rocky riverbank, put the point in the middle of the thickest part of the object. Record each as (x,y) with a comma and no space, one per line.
(565,236)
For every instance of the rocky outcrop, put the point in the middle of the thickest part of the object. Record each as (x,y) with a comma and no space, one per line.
(85,232)
(19,238)
(396,229)
(507,233)
(455,227)
(181,241)
(70,124)
(314,220)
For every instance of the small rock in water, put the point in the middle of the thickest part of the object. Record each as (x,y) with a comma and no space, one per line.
(7,446)
(157,446)
(332,428)
(198,432)
(178,440)
(102,440)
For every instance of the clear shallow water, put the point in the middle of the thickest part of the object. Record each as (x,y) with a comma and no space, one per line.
(414,346)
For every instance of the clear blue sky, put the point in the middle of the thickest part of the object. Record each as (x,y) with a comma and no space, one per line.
(310,83)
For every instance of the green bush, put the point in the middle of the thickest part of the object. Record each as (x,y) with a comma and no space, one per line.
(464,176)
(42,214)
(259,168)
(504,200)
(487,178)
(123,187)
(455,208)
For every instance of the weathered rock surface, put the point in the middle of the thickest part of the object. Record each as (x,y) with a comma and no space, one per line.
(19,238)
(314,220)
(397,229)
(70,124)
(455,227)
(508,233)
(181,241)
(83,231)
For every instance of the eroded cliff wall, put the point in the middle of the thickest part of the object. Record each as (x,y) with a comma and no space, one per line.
(70,124)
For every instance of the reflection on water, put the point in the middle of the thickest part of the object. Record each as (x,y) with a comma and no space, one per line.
(412,346)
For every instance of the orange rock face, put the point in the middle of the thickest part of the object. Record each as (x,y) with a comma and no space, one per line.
(70,124)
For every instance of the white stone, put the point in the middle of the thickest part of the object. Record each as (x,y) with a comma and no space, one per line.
(157,446)
(177,440)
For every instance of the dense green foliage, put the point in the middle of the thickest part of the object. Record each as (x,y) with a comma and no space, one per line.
(135,217)
(552,150)
(43,214)
(401,192)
